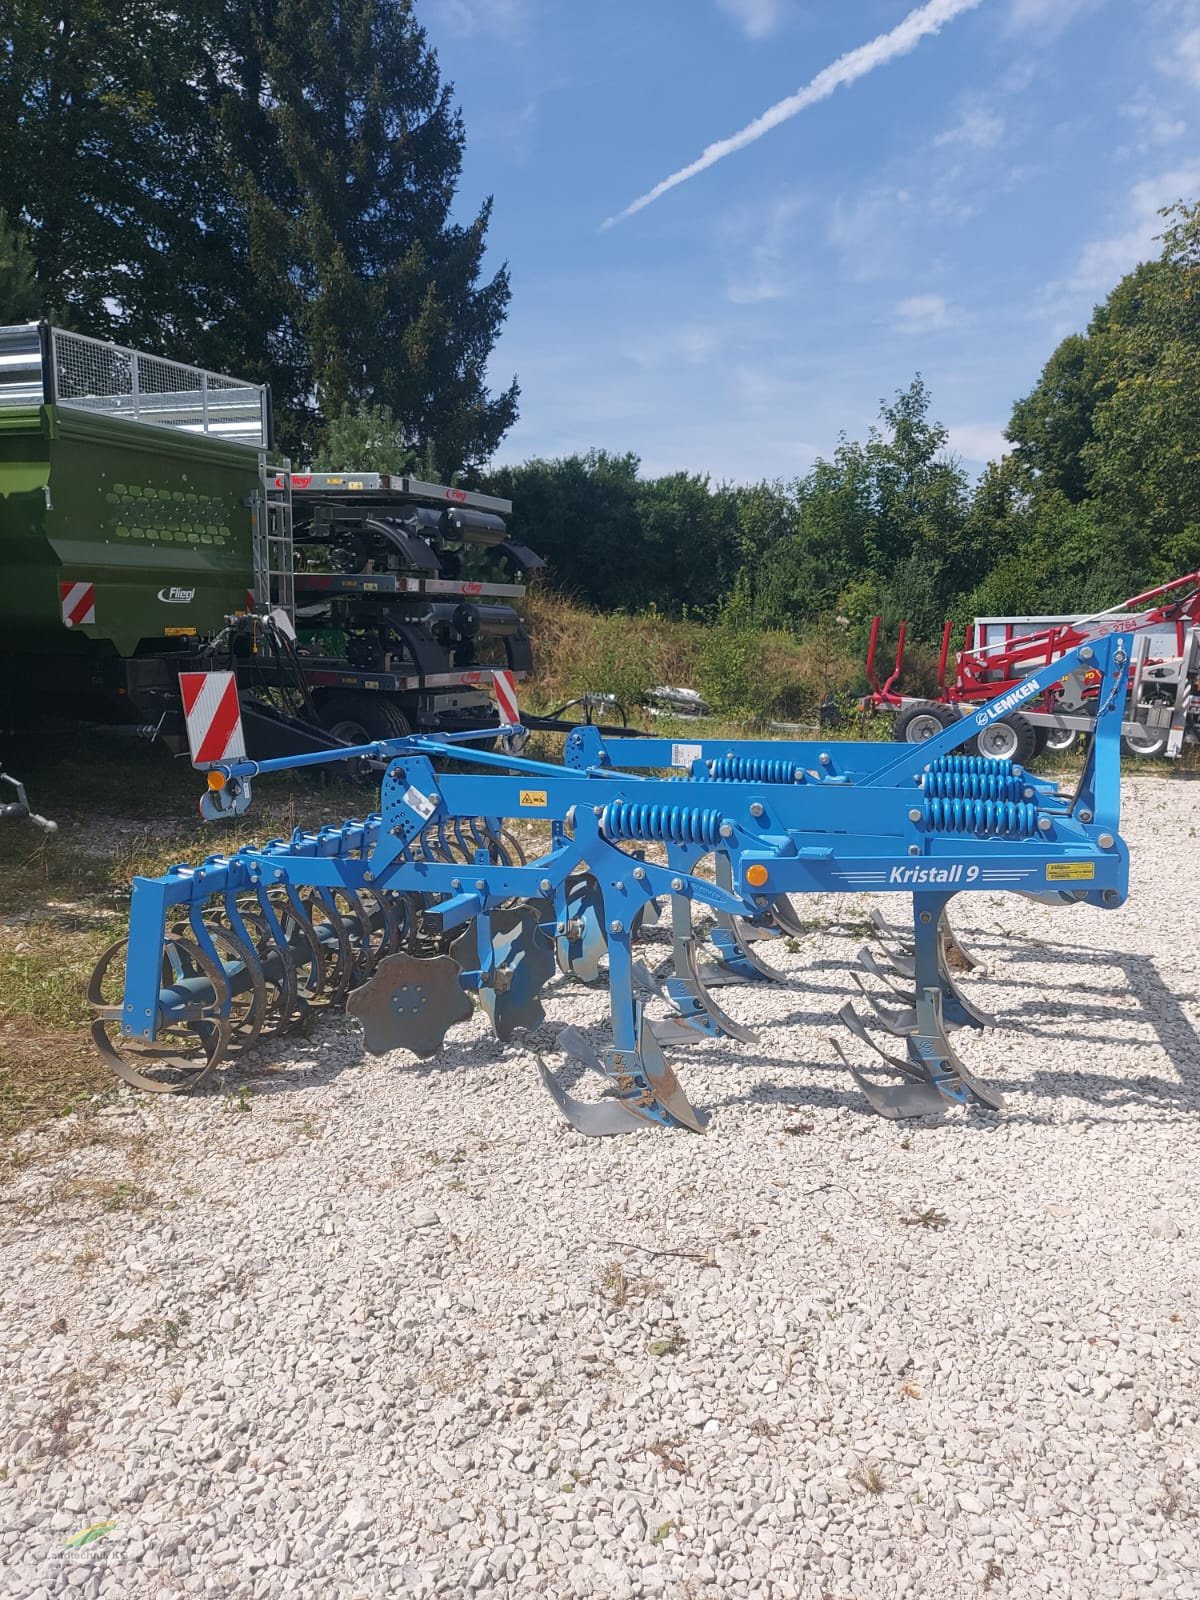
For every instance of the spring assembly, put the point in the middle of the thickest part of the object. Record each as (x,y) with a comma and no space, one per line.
(754,769)
(1005,819)
(621,819)
(973,778)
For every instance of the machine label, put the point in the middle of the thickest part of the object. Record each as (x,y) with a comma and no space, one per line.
(1058,871)
(420,803)
(682,755)
(954,874)
(533,797)
(175,596)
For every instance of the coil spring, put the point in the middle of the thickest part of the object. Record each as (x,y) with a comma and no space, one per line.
(1012,819)
(754,769)
(622,819)
(975,778)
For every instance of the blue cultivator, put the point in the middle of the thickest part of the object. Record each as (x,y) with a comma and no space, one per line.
(412,914)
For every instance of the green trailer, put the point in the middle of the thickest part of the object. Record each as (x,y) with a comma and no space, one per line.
(146,528)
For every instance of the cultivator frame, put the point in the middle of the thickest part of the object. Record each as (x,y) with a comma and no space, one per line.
(409,913)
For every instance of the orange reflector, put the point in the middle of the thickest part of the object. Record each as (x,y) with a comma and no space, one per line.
(756,875)
(216,780)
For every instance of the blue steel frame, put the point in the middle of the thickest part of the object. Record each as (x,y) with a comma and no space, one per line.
(855,817)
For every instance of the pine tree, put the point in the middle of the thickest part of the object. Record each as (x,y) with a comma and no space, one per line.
(391,303)
(265,189)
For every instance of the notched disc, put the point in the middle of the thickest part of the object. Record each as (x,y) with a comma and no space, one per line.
(410,1003)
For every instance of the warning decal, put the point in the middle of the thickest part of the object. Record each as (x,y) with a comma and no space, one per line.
(214,717)
(1070,871)
(78,603)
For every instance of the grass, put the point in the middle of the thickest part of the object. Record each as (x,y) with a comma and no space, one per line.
(121,810)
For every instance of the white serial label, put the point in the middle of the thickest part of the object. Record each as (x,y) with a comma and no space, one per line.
(420,803)
(682,755)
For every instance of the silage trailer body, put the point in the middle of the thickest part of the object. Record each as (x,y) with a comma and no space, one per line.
(147,528)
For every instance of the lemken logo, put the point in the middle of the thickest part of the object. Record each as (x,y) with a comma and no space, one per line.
(1007,702)
(175,596)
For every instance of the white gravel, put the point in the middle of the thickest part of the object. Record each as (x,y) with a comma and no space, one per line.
(373,1329)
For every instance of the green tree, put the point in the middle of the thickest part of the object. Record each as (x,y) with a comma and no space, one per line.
(20,298)
(367,438)
(265,189)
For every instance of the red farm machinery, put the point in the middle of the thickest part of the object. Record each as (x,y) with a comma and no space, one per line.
(999,654)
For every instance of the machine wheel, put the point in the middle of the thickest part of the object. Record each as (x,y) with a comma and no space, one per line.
(1151,742)
(923,719)
(1060,739)
(363,718)
(1010,739)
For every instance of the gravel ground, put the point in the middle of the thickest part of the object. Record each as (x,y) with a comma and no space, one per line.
(368,1329)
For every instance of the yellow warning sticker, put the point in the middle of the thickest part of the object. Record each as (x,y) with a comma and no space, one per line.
(180,633)
(1057,871)
(533,797)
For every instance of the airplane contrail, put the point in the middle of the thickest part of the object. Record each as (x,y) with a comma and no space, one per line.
(905,36)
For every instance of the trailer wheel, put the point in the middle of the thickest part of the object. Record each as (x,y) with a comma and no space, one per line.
(923,719)
(363,718)
(1149,744)
(1010,739)
(1060,739)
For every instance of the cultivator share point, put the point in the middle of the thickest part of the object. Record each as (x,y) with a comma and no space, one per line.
(429,904)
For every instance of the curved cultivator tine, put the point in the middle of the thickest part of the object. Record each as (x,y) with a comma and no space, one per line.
(898,1023)
(786,918)
(868,963)
(688,992)
(933,1074)
(912,1097)
(645,1089)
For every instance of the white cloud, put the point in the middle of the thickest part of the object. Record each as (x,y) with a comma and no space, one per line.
(921,23)
(977,127)
(1108,257)
(978,441)
(926,313)
(1154,125)
(1046,18)
(478,16)
(767,268)
(862,228)
(692,344)
(757,19)
(1184,60)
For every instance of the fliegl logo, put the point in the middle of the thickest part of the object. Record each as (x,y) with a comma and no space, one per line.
(1006,703)
(87,1536)
(174,596)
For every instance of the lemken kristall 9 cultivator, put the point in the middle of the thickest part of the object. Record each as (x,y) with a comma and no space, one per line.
(429,904)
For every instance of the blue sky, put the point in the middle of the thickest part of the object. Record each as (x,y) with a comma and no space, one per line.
(956,210)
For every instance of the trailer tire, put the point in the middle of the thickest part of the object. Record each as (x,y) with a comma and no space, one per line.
(363,718)
(1148,746)
(922,720)
(1060,740)
(1009,739)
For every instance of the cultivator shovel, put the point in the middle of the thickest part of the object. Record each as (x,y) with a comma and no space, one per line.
(480,889)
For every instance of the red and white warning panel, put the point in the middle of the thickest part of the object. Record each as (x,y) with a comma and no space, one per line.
(78,603)
(214,717)
(506,697)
